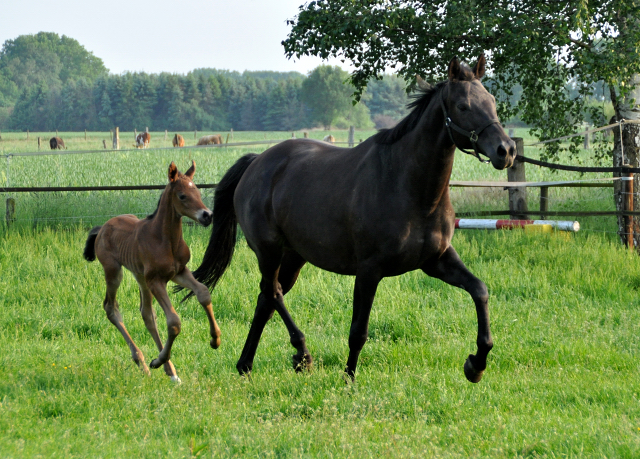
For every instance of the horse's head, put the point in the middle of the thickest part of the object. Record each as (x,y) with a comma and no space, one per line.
(470,115)
(186,196)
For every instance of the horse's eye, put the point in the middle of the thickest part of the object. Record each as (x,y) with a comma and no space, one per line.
(182,196)
(462,107)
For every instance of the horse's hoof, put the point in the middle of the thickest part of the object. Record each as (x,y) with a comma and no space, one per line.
(349,378)
(302,364)
(244,369)
(155,363)
(176,379)
(215,342)
(471,373)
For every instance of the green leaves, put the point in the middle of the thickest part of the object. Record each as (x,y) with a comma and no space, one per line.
(536,45)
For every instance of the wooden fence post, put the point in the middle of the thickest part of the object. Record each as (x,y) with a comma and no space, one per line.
(518,195)
(352,131)
(146,129)
(56,133)
(85,134)
(586,144)
(544,201)
(27,134)
(104,142)
(627,180)
(195,135)
(39,143)
(306,135)
(10,214)
(116,138)
(135,134)
(231,132)
(165,135)
(511,132)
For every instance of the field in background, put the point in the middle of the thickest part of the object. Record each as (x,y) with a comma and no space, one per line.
(562,380)
(148,167)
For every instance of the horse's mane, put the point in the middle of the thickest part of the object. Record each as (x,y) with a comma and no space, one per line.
(151,216)
(418,106)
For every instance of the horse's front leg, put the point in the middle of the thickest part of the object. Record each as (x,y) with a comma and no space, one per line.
(450,269)
(366,285)
(159,290)
(185,279)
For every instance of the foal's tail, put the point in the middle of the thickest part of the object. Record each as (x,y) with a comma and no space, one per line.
(90,246)
(222,242)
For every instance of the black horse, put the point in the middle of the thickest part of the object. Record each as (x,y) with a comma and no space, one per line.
(376,210)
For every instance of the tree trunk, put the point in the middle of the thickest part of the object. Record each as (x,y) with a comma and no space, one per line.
(626,150)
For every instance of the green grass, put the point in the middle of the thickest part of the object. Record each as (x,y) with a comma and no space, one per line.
(562,380)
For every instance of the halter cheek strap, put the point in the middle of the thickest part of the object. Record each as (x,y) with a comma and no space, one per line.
(472,135)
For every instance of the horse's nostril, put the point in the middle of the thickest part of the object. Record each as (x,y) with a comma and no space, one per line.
(502,151)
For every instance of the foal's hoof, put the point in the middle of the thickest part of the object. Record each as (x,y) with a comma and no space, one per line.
(215,342)
(303,363)
(471,373)
(175,379)
(155,363)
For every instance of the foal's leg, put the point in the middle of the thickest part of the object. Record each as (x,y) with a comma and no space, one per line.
(271,299)
(149,317)
(186,279)
(366,285)
(159,290)
(113,278)
(452,270)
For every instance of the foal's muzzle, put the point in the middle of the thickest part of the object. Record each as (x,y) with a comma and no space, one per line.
(205,217)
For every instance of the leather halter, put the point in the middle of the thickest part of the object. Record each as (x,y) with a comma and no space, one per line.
(472,135)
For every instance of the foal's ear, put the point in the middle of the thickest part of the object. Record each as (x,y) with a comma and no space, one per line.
(422,84)
(478,69)
(173,172)
(191,170)
(454,68)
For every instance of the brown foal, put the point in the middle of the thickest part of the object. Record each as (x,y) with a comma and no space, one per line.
(154,250)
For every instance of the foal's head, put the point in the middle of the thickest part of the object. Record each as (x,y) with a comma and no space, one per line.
(472,108)
(186,196)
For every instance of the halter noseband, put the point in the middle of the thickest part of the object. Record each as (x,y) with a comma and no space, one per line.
(473,135)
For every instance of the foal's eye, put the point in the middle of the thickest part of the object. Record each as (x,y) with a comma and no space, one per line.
(182,197)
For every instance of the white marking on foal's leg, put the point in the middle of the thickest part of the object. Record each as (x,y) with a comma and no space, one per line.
(176,379)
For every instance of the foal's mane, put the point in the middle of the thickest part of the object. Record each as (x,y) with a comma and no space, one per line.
(418,106)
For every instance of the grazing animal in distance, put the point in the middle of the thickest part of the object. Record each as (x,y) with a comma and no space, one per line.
(329,138)
(377,210)
(56,143)
(155,252)
(142,140)
(178,141)
(214,139)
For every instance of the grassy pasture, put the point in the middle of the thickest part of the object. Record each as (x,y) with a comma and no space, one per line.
(562,380)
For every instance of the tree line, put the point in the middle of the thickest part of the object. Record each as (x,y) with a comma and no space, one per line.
(49,82)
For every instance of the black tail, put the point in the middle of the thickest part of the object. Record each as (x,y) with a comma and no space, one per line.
(90,246)
(222,243)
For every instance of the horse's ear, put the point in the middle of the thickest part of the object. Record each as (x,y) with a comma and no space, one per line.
(423,84)
(479,68)
(173,172)
(454,68)
(191,170)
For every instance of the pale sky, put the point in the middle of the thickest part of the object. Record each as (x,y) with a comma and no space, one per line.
(167,36)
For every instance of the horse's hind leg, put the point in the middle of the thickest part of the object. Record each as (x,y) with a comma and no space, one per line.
(149,317)
(290,268)
(186,279)
(113,277)
(279,273)
(452,270)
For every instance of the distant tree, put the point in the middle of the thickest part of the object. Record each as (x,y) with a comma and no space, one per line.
(387,97)
(327,94)
(47,58)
